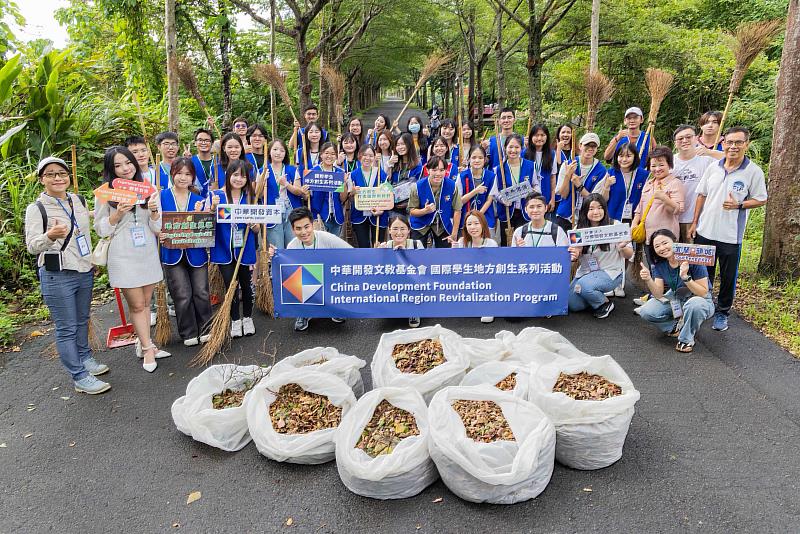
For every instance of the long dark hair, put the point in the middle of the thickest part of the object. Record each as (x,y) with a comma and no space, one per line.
(363,134)
(632,150)
(651,251)
(184,163)
(411,158)
(387,124)
(547,152)
(451,124)
(422,141)
(348,135)
(583,215)
(268,155)
(223,157)
(516,137)
(307,143)
(244,167)
(108,168)
(444,142)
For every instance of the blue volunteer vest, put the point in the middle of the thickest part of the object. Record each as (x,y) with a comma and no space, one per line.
(444,209)
(478,201)
(526,172)
(642,146)
(223,251)
(359,180)
(321,201)
(617,195)
(597,172)
(197,257)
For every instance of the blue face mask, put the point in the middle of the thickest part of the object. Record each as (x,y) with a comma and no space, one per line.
(413,128)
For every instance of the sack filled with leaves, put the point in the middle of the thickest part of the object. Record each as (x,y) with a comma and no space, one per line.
(540,346)
(293,416)
(480,351)
(327,360)
(382,445)
(212,411)
(591,402)
(505,376)
(490,446)
(426,359)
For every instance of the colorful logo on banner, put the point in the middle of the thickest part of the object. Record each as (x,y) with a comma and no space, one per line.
(223,213)
(303,284)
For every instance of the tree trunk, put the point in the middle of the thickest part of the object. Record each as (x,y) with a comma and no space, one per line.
(224,49)
(272,102)
(780,252)
(499,55)
(173,119)
(479,93)
(534,64)
(594,38)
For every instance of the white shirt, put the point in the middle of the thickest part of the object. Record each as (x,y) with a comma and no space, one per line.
(689,172)
(611,261)
(540,238)
(487,243)
(322,240)
(746,182)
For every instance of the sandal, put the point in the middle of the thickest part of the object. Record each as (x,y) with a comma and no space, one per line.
(675,332)
(684,347)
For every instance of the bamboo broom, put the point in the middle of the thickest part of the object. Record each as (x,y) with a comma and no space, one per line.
(216,285)
(220,328)
(509,230)
(163,333)
(264,297)
(336,83)
(433,64)
(751,39)
(658,82)
(269,74)
(189,81)
(599,90)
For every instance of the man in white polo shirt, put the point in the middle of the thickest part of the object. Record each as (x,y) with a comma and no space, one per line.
(725,192)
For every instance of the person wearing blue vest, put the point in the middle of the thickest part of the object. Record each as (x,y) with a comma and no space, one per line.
(307,157)
(632,133)
(514,170)
(168,146)
(543,157)
(406,169)
(495,150)
(367,174)
(205,164)
(329,206)
(185,270)
(231,149)
(257,141)
(578,180)
(477,187)
(435,206)
(311,116)
(230,239)
(381,124)
(281,175)
(623,185)
(348,152)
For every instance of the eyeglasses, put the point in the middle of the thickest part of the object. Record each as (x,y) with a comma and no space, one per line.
(169,144)
(684,138)
(240,125)
(734,143)
(203,141)
(52,175)
(256,136)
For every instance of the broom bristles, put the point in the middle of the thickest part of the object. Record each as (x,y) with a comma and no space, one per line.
(268,73)
(336,83)
(216,285)
(189,81)
(751,39)
(658,83)
(264,297)
(163,333)
(95,343)
(219,330)
(599,90)
(433,64)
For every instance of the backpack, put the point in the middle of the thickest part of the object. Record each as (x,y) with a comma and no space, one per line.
(553,231)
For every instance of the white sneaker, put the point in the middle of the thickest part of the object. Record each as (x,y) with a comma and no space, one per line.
(487,320)
(619,292)
(236,328)
(248,328)
(204,338)
(153,318)
(191,342)
(609,293)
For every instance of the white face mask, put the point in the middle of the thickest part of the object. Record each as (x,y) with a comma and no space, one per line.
(413,128)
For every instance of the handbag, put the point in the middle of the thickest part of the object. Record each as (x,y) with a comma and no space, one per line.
(638,233)
(99,255)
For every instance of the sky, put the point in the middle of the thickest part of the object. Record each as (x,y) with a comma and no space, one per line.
(39,21)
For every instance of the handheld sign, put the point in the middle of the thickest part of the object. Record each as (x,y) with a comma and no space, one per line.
(378,198)
(695,254)
(143,190)
(324,181)
(599,235)
(106,194)
(516,192)
(249,213)
(402,192)
(181,229)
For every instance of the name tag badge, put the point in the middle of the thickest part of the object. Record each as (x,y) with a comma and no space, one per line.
(677,311)
(627,211)
(138,237)
(593,264)
(578,202)
(238,238)
(83,245)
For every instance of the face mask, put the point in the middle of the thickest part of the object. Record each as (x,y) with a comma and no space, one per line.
(413,128)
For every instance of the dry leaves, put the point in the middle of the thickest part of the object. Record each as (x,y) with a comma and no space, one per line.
(321,360)
(483,420)
(387,428)
(229,398)
(583,386)
(297,411)
(418,357)
(193,496)
(508,383)
(289,522)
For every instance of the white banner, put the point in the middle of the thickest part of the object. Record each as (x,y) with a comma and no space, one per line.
(249,213)
(516,192)
(599,235)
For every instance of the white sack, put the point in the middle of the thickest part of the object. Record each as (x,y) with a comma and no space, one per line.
(493,372)
(344,366)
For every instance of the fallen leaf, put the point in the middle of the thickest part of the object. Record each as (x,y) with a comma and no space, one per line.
(171,374)
(587,490)
(55,388)
(64,398)
(2,445)
(29,434)
(176,525)
(437,499)
(289,522)
(37,333)
(193,496)
(71,443)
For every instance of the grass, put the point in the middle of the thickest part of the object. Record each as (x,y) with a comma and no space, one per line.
(770,306)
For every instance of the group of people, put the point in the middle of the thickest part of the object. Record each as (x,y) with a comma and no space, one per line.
(447,194)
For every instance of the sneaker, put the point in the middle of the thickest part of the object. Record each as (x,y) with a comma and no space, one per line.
(619,292)
(609,294)
(637,310)
(171,311)
(91,385)
(300,324)
(720,322)
(604,310)
(413,322)
(641,300)
(94,367)
(191,342)
(487,320)
(676,329)
(248,328)
(153,318)
(337,319)
(236,328)
(204,338)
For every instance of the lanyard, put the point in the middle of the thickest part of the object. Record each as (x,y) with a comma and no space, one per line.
(313,247)
(70,214)
(351,166)
(630,185)
(514,180)
(540,233)
(177,205)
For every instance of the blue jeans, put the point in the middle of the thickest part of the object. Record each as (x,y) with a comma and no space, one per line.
(68,295)
(588,290)
(281,235)
(332,226)
(695,311)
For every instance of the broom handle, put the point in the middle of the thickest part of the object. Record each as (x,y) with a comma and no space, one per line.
(502,177)
(75,169)
(413,94)
(724,118)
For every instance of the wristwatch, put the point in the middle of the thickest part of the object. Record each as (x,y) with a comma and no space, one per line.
(686,278)
(740,206)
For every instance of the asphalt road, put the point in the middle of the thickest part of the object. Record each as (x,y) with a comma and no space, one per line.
(713,446)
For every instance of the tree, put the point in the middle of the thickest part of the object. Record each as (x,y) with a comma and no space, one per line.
(780,252)
(173,119)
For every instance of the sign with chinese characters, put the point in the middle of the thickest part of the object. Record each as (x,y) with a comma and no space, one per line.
(379,198)
(325,181)
(105,194)
(515,192)
(249,213)
(187,229)
(143,190)
(402,192)
(599,235)
(695,254)
(371,283)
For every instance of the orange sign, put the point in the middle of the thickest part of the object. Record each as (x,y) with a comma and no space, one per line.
(143,190)
(106,194)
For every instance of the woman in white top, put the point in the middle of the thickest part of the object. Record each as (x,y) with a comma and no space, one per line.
(399,232)
(477,235)
(600,267)
(133,265)
(539,232)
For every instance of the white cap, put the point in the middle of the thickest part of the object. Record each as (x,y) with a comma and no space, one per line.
(590,137)
(635,110)
(47,161)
